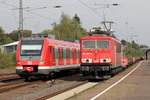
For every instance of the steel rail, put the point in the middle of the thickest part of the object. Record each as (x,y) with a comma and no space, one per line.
(61,91)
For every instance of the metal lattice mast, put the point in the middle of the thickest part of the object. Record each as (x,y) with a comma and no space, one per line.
(20,19)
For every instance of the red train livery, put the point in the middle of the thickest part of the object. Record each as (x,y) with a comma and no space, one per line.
(38,56)
(126,62)
(101,56)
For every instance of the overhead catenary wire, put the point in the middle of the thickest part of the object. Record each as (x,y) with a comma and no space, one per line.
(90,8)
(7,4)
(26,11)
(8,7)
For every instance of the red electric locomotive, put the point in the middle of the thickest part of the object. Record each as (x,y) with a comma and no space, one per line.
(40,56)
(101,56)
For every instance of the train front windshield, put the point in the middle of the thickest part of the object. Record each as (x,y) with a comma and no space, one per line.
(96,44)
(31,49)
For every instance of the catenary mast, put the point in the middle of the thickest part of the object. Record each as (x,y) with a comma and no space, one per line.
(20,19)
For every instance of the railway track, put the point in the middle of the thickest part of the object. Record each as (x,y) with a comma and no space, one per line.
(15,85)
(8,76)
(4,74)
(18,84)
(61,91)
(21,85)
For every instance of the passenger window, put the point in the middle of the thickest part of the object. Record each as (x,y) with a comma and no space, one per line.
(54,53)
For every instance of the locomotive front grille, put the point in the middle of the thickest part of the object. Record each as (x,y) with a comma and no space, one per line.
(95,68)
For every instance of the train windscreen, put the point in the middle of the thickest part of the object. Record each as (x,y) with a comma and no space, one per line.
(93,44)
(30,49)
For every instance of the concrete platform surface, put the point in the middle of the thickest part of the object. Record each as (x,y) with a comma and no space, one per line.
(136,86)
(73,92)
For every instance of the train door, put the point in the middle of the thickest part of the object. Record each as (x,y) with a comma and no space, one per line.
(77,55)
(56,51)
(62,56)
(68,57)
(64,53)
(59,56)
(52,56)
(71,54)
(115,52)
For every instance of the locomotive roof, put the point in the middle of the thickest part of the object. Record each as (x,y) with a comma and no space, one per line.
(98,37)
(64,43)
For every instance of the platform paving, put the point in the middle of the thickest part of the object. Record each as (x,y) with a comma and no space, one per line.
(136,86)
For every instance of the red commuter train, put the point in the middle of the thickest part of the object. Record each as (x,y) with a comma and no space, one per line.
(101,56)
(40,56)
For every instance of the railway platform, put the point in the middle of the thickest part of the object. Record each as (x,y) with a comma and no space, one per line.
(132,84)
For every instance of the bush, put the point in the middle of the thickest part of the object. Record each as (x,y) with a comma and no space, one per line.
(13,56)
(6,61)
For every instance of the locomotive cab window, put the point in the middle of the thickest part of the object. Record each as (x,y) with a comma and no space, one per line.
(103,45)
(100,44)
(89,44)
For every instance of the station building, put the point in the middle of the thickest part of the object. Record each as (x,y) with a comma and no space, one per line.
(9,48)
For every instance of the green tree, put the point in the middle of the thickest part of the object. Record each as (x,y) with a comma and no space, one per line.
(3,37)
(144,46)
(68,29)
(135,45)
(27,33)
(132,50)
(77,20)
(6,61)
(123,42)
(48,31)
(15,34)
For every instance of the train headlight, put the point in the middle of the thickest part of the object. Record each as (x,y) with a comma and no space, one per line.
(18,62)
(42,62)
(105,60)
(86,60)
(109,60)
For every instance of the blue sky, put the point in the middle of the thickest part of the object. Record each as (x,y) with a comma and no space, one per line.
(131,17)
